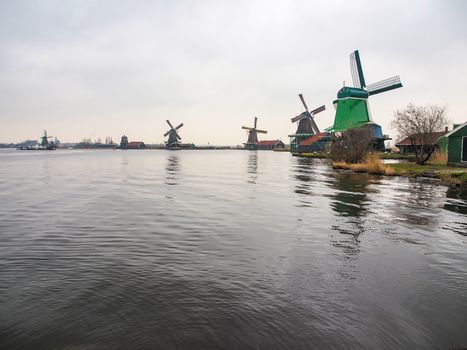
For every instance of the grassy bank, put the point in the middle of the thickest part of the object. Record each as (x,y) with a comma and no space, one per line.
(381,155)
(310,155)
(373,165)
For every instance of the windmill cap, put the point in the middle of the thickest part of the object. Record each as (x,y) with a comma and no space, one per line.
(347,91)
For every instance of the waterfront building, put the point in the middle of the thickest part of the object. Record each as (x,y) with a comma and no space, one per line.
(457,146)
(136,145)
(413,142)
(271,144)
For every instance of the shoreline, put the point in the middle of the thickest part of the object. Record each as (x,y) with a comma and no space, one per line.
(447,175)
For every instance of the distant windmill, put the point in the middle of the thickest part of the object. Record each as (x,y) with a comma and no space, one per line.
(306,124)
(174,137)
(45,139)
(252,142)
(352,102)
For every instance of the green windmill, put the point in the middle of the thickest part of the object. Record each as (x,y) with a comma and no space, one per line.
(352,102)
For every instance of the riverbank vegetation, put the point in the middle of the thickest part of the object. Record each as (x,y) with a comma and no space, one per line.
(372,165)
(435,169)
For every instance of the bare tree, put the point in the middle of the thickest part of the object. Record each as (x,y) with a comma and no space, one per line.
(352,146)
(418,123)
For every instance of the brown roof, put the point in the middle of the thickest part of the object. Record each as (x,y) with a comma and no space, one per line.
(268,142)
(415,139)
(312,139)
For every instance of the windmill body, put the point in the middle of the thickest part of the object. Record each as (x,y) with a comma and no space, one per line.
(352,110)
(252,142)
(307,126)
(174,137)
(45,140)
(46,144)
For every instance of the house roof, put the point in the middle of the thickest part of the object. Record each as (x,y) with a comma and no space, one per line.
(268,142)
(135,143)
(415,139)
(452,132)
(313,139)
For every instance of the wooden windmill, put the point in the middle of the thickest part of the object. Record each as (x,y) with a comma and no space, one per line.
(174,137)
(252,142)
(352,102)
(307,126)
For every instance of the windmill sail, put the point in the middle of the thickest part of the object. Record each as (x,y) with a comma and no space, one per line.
(357,71)
(303,101)
(252,142)
(314,126)
(318,110)
(299,117)
(307,124)
(174,137)
(384,85)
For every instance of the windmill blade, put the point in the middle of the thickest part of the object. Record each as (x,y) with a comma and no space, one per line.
(171,126)
(303,101)
(384,85)
(318,110)
(178,127)
(261,131)
(246,128)
(300,117)
(314,126)
(356,70)
(167,133)
(256,120)
(177,135)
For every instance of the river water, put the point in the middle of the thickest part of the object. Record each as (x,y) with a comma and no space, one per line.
(225,249)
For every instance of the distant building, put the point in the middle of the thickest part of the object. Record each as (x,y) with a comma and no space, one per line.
(271,144)
(457,146)
(136,145)
(413,142)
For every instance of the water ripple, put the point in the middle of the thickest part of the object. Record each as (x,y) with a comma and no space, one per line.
(225,249)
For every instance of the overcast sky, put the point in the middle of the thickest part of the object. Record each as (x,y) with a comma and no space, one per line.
(106,68)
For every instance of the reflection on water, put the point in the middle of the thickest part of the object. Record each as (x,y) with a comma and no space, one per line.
(172,170)
(165,250)
(417,204)
(304,174)
(350,198)
(350,203)
(252,166)
(457,202)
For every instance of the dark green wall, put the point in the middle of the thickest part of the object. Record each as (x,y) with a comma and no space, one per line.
(454,149)
(455,146)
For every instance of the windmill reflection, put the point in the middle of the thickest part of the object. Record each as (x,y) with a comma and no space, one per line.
(304,174)
(305,179)
(172,170)
(252,167)
(350,203)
